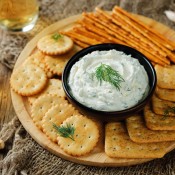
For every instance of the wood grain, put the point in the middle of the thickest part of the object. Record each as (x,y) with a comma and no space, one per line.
(97,157)
(6,108)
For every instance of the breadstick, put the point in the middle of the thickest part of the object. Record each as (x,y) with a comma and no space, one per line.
(99,23)
(81,44)
(107,22)
(137,28)
(119,25)
(136,34)
(134,29)
(85,32)
(151,57)
(171,56)
(150,44)
(91,23)
(105,29)
(82,38)
(131,42)
(82,31)
(84,43)
(157,36)
(156,45)
(127,34)
(100,32)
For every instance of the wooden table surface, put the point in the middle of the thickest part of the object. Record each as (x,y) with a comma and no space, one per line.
(6,108)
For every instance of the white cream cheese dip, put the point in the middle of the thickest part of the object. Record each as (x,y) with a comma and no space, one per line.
(102,95)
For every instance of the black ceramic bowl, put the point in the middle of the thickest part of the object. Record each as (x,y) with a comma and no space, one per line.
(108,115)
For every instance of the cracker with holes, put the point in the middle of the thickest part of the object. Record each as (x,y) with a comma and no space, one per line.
(158,122)
(56,115)
(53,87)
(55,44)
(28,79)
(77,135)
(119,145)
(165,94)
(55,64)
(42,105)
(49,73)
(163,107)
(138,132)
(165,76)
(36,58)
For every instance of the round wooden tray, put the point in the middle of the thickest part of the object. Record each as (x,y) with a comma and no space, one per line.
(21,106)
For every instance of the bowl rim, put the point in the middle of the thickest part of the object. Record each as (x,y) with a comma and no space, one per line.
(76,57)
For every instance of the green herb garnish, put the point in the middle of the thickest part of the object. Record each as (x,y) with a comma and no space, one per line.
(106,73)
(65,131)
(168,110)
(57,36)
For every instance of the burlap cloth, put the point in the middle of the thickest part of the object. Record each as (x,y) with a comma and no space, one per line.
(24,155)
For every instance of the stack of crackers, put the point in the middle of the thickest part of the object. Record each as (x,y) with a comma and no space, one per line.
(39,79)
(148,134)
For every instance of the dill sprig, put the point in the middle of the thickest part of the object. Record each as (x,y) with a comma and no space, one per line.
(65,131)
(106,73)
(56,36)
(169,110)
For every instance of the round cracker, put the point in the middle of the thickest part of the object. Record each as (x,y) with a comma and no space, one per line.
(53,87)
(28,79)
(55,64)
(56,115)
(50,46)
(37,58)
(85,136)
(42,105)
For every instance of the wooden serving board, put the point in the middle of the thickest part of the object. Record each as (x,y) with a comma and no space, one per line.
(21,106)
